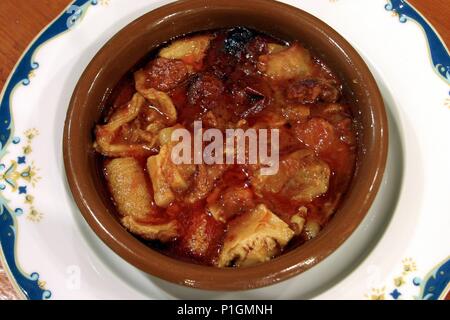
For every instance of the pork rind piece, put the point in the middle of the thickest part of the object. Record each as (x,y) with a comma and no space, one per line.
(105,134)
(301,177)
(167,178)
(191,50)
(163,232)
(293,62)
(254,238)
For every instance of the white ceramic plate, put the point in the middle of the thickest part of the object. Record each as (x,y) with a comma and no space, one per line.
(400,251)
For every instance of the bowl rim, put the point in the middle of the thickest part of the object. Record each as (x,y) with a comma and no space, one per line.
(199,276)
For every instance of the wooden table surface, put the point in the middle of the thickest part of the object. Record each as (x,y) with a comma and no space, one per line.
(22,20)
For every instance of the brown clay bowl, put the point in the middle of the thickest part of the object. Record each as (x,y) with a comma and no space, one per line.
(132,43)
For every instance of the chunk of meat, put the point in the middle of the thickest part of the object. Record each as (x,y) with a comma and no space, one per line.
(253,238)
(132,195)
(106,134)
(313,90)
(202,236)
(233,201)
(293,62)
(301,177)
(190,50)
(161,74)
(206,90)
(163,232)
(168,179)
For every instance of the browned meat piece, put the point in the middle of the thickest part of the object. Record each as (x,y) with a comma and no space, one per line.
(313,90)
(206,90)
(162,74)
